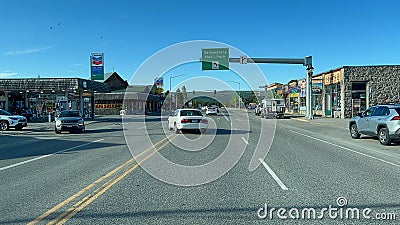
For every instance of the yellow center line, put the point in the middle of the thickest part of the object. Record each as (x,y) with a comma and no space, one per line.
(69,213)
(90,186)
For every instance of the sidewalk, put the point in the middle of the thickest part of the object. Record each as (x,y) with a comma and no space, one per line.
(335,122)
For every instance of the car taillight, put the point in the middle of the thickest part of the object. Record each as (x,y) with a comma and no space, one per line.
(184,121)
(396,118)
(203,121)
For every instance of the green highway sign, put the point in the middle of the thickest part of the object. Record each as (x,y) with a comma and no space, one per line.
(215,59)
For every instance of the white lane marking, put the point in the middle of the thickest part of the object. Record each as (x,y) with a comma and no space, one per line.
(347,149)
(225,116)
(276,178)
(245,141)
(45,156)
(141,128)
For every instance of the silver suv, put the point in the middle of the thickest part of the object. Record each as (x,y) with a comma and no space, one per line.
(382,121)
(8,120)
(69,120)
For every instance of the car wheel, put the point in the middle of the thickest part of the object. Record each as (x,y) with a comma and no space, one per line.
(384,137)
(169,127)
(177,131)
(354,131)
(83,129)
(57,131)
(3,125)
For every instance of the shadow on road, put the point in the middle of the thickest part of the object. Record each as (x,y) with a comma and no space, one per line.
(104,130)
(228,132)
(219,213)
(23,146)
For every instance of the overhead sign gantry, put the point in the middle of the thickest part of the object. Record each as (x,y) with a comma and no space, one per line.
(218,59)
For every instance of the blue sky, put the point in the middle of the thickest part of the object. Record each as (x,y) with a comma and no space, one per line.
(55,38)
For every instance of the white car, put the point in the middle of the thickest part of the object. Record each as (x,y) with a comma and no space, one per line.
(8,120)
(211,111)
(187,119)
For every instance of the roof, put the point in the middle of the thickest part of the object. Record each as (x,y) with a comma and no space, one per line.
(107,75)
(344,67)
(51,84)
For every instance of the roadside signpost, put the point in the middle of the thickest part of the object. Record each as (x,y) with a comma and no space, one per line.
(215,59)
(243,59)
(97,66)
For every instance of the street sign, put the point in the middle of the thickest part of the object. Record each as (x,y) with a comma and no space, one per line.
(215,59)
(215,65)
(243,59)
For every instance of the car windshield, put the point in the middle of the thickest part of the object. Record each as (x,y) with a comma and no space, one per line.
(191,113)
(5,113)
(69,114)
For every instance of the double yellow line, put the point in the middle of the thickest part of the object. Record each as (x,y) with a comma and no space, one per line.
(131,165)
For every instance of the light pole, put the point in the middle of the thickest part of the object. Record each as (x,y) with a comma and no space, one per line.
(310,71)
(170,90)
(239,92)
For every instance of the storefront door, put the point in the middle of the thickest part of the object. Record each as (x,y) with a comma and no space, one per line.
(328,105)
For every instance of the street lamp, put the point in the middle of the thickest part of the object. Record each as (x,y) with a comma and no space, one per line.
(239,92)
(170,90)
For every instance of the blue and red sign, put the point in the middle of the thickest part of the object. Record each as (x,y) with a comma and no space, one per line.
(97,66)
(159,81)
(97,60)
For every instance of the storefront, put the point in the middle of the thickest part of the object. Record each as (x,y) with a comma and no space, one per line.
(43,96)
(351,89)
(302,96)
(317,84)
(332,93)
(129,102)
(293,97)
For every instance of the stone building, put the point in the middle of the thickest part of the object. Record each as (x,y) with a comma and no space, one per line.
(351,89)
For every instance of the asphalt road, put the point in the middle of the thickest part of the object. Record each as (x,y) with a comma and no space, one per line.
(226,176)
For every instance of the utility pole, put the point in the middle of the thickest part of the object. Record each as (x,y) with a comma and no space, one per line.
(240,98)
(170,90)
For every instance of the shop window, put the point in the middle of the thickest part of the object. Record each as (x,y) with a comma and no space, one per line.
(359,86)
(358,92)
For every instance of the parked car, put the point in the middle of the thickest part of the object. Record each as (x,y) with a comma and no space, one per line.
(187,119)
(69,120)
(382,121)
(8,120)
